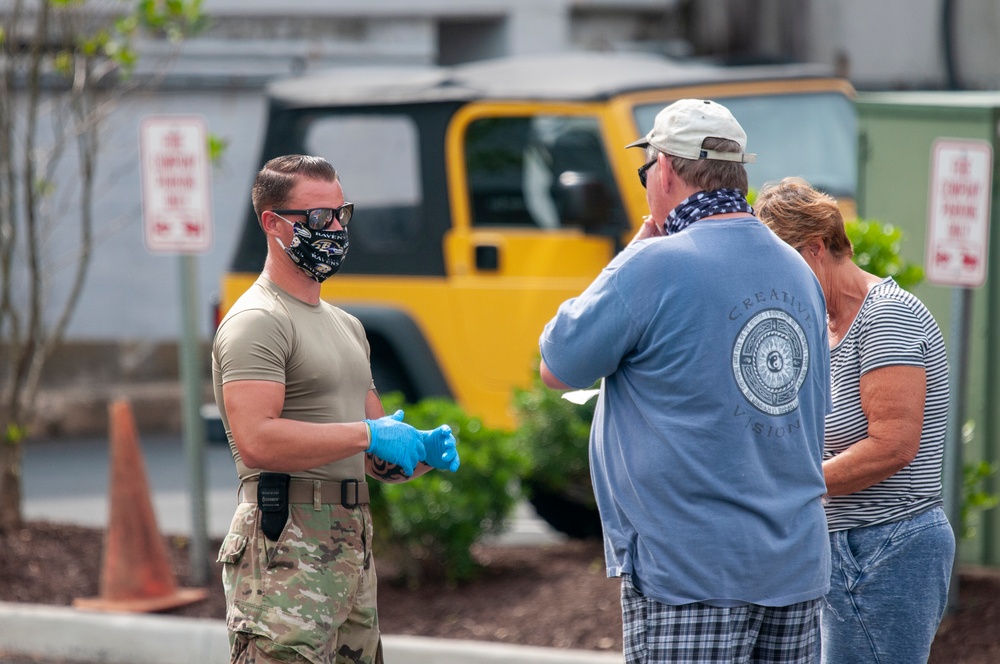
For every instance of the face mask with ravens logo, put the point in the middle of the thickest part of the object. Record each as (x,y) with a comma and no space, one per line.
(318,253)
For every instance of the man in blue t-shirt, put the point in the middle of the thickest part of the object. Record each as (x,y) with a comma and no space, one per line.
(707,443)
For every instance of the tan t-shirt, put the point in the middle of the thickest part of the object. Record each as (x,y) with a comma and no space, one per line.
(319,352)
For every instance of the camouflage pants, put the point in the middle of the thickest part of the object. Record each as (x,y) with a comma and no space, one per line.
(309,596)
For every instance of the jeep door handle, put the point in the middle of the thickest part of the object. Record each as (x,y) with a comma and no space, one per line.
(487,257)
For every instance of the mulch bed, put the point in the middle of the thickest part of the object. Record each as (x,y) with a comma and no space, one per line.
(554,595)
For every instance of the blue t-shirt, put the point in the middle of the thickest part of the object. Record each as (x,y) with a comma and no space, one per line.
(707,443)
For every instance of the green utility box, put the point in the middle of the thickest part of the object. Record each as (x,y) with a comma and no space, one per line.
(898,135)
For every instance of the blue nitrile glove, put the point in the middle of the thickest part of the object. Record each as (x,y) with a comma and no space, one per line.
(396,442)
(442,452)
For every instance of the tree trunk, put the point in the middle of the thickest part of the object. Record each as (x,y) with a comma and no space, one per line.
(81,47)
(10,484)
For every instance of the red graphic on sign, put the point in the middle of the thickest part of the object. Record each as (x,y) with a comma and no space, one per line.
(173,140)
(175,179)
(959,212)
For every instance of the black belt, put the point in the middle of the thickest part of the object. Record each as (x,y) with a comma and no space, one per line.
(349,493)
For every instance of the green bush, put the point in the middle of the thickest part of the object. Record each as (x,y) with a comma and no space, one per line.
(425,528)
(876,250)
(553,434)
(975,497)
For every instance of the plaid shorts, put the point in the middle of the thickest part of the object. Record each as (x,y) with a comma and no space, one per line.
(702,634)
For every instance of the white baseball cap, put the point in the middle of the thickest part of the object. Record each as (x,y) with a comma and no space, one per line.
(680,128)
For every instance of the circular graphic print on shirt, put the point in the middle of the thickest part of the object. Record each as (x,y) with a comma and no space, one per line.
(770,361)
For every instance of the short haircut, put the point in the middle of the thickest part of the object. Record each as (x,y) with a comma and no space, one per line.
(800,214)
(275,181)
(709,174)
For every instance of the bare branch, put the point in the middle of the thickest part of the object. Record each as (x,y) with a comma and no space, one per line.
(59,60)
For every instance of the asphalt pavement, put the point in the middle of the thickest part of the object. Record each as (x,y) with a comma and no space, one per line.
(66,481)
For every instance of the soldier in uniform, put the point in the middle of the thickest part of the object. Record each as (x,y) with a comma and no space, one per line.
(305,424)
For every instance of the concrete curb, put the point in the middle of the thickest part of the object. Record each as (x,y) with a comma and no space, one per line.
(114,638)
(421,650)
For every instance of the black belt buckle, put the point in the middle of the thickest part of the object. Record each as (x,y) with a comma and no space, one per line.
(343,493)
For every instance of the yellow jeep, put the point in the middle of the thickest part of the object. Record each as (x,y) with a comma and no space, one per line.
(488,193)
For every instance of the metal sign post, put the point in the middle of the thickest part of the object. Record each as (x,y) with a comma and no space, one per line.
(957,246)
(176,206)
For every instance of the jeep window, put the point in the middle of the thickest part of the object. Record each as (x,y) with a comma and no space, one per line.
(377,159)
(522,170)
(812,136)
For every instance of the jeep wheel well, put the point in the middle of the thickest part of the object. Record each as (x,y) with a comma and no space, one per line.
(388,371)
(401,357)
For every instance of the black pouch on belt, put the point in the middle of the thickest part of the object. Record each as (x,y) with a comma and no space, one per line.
(272,499)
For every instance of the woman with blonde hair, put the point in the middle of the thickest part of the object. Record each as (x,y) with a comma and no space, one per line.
(892,546)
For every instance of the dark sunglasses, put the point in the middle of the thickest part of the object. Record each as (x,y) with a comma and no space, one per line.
(319,219)
(642,171)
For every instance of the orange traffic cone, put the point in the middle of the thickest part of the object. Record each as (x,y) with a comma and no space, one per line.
(136,574)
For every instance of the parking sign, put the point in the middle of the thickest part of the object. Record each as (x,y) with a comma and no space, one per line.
(959,212)
(176,194)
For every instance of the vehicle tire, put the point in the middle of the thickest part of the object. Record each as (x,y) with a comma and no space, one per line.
(564,514)
(389,375)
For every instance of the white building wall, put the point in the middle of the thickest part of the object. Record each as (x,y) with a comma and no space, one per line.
(885,43)
(131,294)
(900,44)
(977,42)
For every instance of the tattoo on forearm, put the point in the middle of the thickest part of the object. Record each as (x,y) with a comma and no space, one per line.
(385,470)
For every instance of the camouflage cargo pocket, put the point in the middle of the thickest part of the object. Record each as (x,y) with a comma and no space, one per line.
(237,568)
(232,549)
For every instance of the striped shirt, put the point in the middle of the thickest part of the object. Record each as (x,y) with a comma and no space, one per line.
(892,328)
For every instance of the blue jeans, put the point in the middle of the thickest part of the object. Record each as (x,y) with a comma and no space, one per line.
(888,590)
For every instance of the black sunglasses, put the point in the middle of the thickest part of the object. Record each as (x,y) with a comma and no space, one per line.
(319,219)
(642,171)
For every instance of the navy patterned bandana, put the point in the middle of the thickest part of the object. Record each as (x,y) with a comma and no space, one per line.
(705,204)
